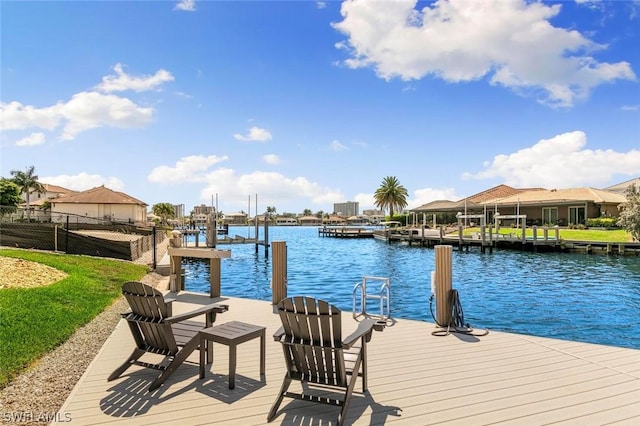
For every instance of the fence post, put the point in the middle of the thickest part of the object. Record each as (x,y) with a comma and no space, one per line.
(66,243)
(154,248)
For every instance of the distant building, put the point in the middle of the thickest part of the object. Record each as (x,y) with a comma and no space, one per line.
(235,218)
(346,209)
(203,210)
(178,211)
(310,220)
(37,200)
(286,221)
(373,212)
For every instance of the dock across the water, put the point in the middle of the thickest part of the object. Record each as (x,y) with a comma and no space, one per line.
(542,241)
(345,232)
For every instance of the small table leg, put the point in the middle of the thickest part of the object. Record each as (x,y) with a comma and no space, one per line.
(262,354)
(232,366)
(202,352)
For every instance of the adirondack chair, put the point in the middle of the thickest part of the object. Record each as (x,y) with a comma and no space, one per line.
(315,353)
(155,330)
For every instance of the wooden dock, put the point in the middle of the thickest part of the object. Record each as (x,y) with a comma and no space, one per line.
(345,232)
(505,241)
(415,378)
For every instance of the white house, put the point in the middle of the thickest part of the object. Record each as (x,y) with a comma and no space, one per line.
(235,218)
(101,203)
(37,199)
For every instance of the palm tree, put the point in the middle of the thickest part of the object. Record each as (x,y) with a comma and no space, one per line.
(28,181)
(164,210)
(391,195)
(271,214)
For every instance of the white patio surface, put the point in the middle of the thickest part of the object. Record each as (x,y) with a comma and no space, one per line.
(415,378)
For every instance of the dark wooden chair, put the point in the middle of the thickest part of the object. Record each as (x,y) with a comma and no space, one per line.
(155,330)
(315,353)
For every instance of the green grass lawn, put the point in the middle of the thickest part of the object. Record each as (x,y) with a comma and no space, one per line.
(611,236)
(33,321)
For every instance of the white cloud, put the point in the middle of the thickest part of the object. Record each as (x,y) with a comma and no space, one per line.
(187,169)
(84,111)
(88,110)
(255,134)
(276,188)
(427,195)
(366,201)
(84,181)
(321,4)
(560,162)
(123,81)
(271,159)
(186,5)
(337,146)
(32,139)
(510,42)
(15,116)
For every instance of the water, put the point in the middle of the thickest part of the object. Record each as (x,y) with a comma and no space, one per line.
(588,298)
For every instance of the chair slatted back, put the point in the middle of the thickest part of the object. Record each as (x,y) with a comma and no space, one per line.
(312,342)
(148,311)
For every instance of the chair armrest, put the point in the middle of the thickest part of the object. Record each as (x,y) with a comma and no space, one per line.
(214,307)
(278,334)
(365,327)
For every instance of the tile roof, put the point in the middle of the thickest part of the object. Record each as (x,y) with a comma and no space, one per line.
(622,187)
(473,201)
(99,195)
(561,195)
(499,191)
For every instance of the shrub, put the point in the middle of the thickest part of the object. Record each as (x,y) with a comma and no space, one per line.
(602,222)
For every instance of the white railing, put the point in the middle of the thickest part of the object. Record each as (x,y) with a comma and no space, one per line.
(382,295)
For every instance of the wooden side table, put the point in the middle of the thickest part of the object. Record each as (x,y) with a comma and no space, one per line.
(231,334)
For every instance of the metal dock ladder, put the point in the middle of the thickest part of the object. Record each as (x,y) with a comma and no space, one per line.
(383,295)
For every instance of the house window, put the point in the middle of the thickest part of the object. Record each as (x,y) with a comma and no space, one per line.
(577,215)
(549,215)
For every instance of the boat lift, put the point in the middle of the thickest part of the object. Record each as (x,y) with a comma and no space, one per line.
(383,295)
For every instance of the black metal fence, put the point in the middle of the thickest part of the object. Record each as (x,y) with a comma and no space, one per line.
(74,234)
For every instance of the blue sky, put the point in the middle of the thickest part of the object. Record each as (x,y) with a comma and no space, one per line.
(306,104)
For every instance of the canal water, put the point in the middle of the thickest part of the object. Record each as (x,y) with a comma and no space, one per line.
(588,298)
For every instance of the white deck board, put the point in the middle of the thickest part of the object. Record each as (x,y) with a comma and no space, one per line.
(415,378)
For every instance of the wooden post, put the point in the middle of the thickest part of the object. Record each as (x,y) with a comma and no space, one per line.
(443,284)
(175,270)
(211,231)
(214,276)
(279,272)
